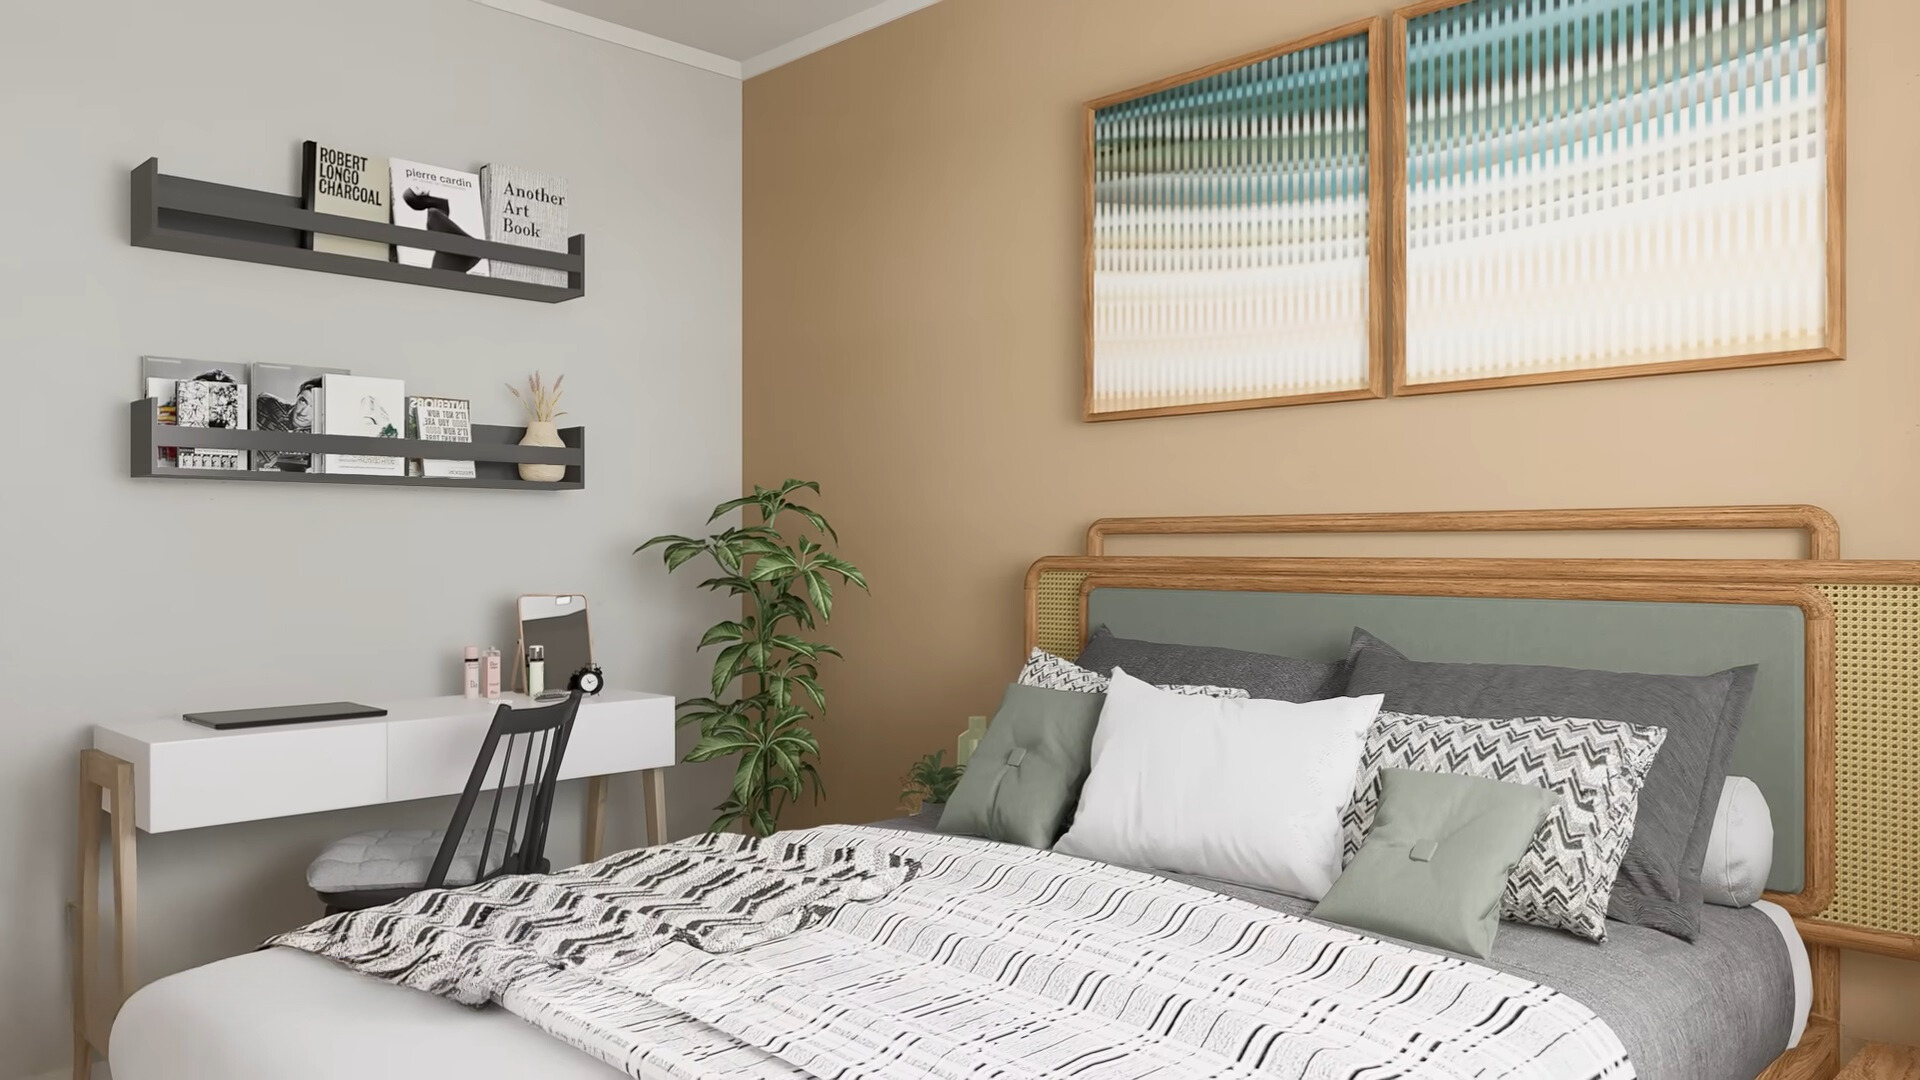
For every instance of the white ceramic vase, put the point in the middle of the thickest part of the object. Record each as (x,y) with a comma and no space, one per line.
(542,433)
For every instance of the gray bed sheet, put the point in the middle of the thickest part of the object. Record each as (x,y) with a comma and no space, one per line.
(1717,1008)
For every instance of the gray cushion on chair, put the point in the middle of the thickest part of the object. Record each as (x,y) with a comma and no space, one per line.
(397,859)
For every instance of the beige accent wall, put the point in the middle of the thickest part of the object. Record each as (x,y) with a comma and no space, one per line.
(913,200)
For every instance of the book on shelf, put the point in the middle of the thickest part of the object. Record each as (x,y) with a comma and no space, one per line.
(286,397)
(336,181)
(527,209)
(160,379)
(438,419)
(203,403)
(367,407)
(438,200)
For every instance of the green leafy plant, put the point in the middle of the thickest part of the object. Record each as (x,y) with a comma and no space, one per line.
(930,781)
(788,588)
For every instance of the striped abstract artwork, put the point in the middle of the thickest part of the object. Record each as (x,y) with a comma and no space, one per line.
(1605,184)
(1229,241)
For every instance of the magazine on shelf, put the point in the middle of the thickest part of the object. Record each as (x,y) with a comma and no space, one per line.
(367,407)
(286,397)
(438,419)
(527,209)
(438,200)
(160,378)
(340,182)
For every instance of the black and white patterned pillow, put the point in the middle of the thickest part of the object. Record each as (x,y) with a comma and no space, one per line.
(1049,672)
(1596,767)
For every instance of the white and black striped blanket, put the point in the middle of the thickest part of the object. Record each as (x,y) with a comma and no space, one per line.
(851,952)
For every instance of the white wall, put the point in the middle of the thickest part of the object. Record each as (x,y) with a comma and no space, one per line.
(121,597)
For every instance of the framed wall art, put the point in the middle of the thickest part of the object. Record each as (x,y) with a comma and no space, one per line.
(1236,233)
(1589,189)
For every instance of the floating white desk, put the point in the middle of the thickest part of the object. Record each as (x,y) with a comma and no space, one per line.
(166,774)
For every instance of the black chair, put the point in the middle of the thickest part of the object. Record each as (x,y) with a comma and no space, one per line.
(378,867)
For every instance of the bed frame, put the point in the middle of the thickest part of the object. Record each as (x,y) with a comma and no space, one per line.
(1861,676)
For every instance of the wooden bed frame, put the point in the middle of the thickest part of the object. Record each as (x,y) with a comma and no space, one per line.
(1862,673)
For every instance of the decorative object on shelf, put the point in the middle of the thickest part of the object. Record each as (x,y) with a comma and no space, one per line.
(785,583)
(437,419)
(496,452)
(589,680)
(286,397)
(172,213)
(1603,189)
(335,181)
(543,408)
(528,210)
(930,783)
(1236,237)
(365,407)
(442,201)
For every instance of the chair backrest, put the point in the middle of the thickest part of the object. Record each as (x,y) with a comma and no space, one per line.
(529,769)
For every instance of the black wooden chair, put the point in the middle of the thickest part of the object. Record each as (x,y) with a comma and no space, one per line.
(378,867)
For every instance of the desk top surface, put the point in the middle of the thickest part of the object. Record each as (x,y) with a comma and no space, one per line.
(169,729)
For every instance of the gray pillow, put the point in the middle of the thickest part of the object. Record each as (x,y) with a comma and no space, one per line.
(1436,861)
(1262,675)
(1023,781)
(1659,882)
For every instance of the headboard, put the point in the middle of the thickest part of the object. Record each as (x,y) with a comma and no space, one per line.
(1832,735)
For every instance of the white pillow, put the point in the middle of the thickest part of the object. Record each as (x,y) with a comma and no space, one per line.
(1248,791)
(1740,852)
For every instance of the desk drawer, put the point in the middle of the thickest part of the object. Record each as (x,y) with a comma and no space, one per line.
(193,783)
(433,757)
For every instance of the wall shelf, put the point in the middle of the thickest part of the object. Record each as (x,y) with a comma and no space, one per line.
(172,213)
(495,450)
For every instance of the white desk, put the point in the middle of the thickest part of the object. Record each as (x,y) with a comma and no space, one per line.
(165,774)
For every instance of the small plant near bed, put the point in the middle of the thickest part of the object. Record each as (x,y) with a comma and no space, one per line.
(930,782)
(789,588)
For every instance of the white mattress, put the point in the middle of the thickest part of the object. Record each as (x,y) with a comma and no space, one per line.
(294,1016)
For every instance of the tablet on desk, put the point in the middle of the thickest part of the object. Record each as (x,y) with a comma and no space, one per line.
(284,714)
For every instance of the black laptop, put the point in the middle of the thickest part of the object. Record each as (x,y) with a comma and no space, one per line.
(284,714)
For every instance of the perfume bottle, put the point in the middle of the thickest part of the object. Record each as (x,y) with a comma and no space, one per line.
(490,674)
(470,672)
(536,670)
(970,739)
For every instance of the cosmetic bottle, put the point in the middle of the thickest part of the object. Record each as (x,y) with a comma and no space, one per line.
(536,670)
(490,674)
(470,672)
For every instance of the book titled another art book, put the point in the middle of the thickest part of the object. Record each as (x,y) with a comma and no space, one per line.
(367,407)
(530,210)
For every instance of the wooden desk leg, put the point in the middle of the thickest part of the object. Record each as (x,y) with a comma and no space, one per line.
(101,772)
(595,817)
(653,789)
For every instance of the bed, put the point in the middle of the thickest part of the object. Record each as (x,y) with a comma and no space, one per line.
(1746,998)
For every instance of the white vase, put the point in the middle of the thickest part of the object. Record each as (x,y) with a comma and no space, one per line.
(542,433)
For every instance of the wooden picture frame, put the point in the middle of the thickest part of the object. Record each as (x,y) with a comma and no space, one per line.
(1376,245)
(1831,343)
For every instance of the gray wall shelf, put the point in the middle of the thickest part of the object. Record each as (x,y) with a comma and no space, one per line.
(495,451)
(172,213)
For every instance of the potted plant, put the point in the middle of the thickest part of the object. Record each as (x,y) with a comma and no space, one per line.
(787,588)
(929,784)
(542,403)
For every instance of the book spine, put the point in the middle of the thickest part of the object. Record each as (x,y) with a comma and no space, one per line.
(309,181)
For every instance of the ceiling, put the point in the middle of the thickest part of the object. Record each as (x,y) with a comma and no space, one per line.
(740,38)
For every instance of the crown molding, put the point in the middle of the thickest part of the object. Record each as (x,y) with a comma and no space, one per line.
(625,36)
(827,36)
(614,33)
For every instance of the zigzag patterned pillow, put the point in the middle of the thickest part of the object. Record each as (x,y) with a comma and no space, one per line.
(1049,672)
(1596,767)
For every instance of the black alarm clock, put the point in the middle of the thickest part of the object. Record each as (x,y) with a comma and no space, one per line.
(588,680)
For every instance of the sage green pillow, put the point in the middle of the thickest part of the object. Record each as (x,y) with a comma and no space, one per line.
(1434,866)
(1024,779)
